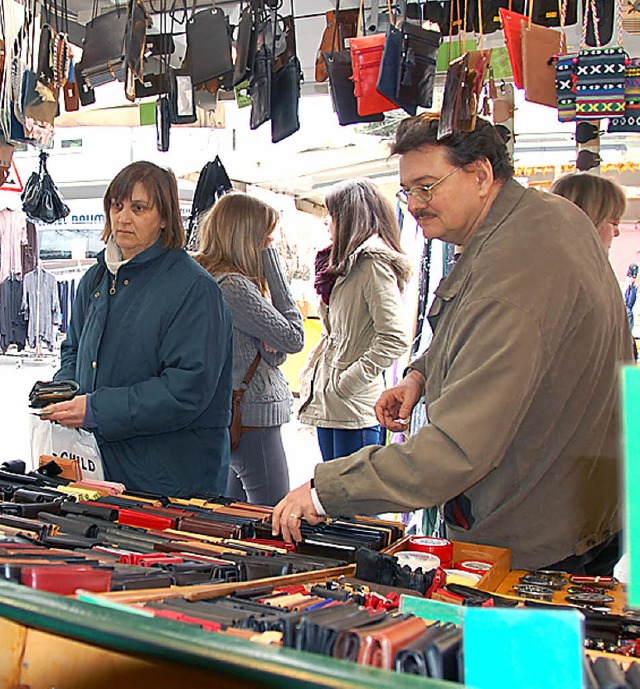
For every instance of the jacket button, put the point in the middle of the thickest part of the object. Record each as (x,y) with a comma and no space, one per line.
(126,282)
(591,542)
(96,295)
(94,364)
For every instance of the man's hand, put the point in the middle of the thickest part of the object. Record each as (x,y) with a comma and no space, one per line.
(69,414)
(288,513)
(396,404)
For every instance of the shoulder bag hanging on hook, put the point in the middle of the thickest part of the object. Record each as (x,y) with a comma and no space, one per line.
(600,74)
(208,44)
(341,85)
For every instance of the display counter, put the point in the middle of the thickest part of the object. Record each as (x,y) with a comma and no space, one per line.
(54,641)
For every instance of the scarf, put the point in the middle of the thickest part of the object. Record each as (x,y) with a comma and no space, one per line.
(324,280)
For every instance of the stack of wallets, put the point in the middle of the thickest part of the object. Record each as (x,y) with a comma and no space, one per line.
(342,618)
(607,673)
(59,537)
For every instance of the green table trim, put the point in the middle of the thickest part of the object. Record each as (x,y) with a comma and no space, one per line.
(188,645)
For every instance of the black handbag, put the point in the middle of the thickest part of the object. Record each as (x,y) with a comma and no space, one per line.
(245,46)
(260,88)
(340,71)
(390,67)
(208,45)
(113,41)
(156,79)
(417,73)
(183,106)
(285,95)
(344,101)
(41,199)
(163,122)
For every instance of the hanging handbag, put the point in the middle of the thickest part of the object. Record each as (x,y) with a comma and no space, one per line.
(366,56)
(182,98)
(163,123)
(103,46)
(600,75)
(341,25)
(389,69)
(208,45)
(416,77)
(285,96)
(555,12)
(540,45)
(70,91)
(41,199)
(260,88)
(512,29)
(245,46)
(452,97)
(235,427)
(599,18)
(629,121)
(40,102)
(566,86)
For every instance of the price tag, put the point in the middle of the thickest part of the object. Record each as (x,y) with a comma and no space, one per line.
(631,453)
(528,649)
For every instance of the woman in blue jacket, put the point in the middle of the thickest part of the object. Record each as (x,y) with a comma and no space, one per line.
(150,345)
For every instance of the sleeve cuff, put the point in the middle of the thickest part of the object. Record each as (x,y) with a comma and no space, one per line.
(316,503)
(90,421)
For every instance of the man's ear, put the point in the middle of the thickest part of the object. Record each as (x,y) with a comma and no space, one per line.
(484,175)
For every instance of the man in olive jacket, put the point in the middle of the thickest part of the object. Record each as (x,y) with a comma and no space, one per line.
(521,378)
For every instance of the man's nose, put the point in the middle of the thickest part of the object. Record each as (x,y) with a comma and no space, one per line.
(415,204)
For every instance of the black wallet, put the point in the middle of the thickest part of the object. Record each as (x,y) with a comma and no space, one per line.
(49,392)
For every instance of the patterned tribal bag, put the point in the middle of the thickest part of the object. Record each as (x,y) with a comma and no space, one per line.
(600,73)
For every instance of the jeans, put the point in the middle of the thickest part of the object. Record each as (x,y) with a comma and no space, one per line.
(340,442)
(258,471)
(597,562)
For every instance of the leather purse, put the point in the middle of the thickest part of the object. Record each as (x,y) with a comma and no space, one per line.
(245,46)
(452,96)
(235,427)
(103,47)
(44,393)
(390,67)
(182,98)
(340,25)
(208,45)
(135,38)
(163,123)
(344,101)
(512,29)
(41,199)
(417,74)
(285,96)
(366,56)
(260,88)
(70,91)
(380,647)
(539,45)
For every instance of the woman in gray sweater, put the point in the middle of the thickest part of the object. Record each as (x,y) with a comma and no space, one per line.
(235,247)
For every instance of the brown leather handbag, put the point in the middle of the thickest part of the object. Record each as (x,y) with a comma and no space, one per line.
(235,428)
(344,23)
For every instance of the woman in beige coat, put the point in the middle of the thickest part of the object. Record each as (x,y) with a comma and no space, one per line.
(360,278)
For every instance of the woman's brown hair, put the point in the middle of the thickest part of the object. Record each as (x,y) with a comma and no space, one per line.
(162,187)
(233,234)
(359,210)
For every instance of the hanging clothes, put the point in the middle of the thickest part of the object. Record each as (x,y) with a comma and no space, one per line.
(13,328)
(41,306)
(13,236)
(30,249)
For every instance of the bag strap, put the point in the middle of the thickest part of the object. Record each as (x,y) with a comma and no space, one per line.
(251,370)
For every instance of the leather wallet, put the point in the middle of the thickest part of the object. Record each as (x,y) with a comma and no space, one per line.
(442,655)
(48,392)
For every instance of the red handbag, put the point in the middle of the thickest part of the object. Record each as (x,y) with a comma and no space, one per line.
(366,57)
(512,28)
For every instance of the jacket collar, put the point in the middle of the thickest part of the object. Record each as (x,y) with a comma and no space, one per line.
(375,246)
(154,251)
(508,197)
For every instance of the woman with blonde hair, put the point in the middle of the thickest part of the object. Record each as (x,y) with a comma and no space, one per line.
(603,201)
(236,248)
(360,278)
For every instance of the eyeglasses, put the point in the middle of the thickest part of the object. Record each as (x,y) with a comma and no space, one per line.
(423,193)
